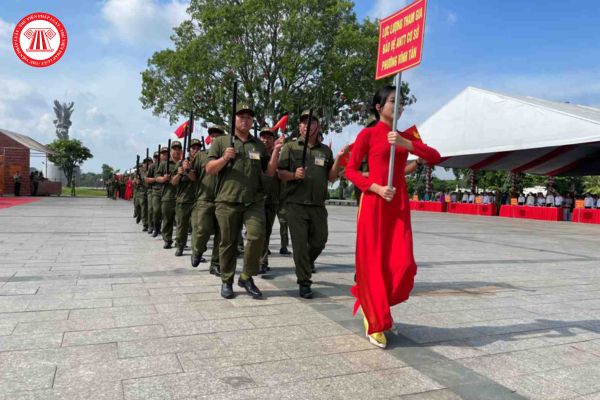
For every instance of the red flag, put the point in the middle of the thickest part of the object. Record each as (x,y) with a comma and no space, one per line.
(412,133)
(281,124)
(180,131)
(208,139)
(346,157)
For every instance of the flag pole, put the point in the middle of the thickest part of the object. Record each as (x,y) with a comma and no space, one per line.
(397,99)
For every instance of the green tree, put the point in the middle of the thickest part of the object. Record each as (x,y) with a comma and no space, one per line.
(591,184)
(107,172)
(68,154)
(288,55)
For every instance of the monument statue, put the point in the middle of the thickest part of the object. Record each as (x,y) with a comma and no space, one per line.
(63,118)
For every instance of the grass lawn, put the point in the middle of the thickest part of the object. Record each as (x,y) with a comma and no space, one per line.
(101,192)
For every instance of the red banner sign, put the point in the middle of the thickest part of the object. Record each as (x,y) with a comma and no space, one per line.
(401,40)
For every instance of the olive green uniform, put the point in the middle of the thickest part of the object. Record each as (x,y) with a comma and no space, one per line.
(271,185)
(140,200)
(167,200)
(204,220)
(304,203)
(149,194)
(240,201)
(155,191)
(184,203)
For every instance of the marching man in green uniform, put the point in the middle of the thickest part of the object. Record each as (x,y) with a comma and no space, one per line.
(271,187)
(204,220)
(150,192)
(165,171)
(185,182)
(240,199)
(141,205)
(156,189)
(305,191)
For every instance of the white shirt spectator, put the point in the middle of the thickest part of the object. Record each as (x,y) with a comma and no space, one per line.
(472,198)
(541,201)
(521,200)
(588,202)
(530,200)
(558,201)
(465,198)
(453,198)
(486,199)
(598,203)
(550,200)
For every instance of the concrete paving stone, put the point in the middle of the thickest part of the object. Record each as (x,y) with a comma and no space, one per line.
(274,373)
(62,357)
(7,328)
(43,304)
(116,370)
(112,312)
(26,342)
(286,335)
(326,329)
(179,344)
(593,396)
(535,387)
(156,319)
(178,290)
(9,304)
(218,355)
(184,327)
(428,334)
(572,334)
(327,345)
(109,294)
(289,319)
(186,385)
(144,300)
(40,327)
(507,343)
(18,288)
(508,364)
(32,377)
(372,360)
(582,379)
(219,312)
(441,394)
(113,335)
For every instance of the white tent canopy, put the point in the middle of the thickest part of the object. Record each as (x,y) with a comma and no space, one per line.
(481,129)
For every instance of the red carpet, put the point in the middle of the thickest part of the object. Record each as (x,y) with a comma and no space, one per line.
(6,202)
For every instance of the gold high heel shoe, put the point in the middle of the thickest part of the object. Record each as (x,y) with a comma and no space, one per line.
(378,338)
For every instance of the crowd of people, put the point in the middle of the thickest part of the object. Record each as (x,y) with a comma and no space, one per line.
(241,183)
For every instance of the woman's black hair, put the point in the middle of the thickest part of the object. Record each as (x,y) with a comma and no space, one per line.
(381,98)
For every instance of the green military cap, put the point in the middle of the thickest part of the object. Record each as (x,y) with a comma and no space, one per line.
(267,131)
(147,160)
(372,120)
(164,149)
(176,143)
(216,129)
(156,154)
(242,107)
(306,113)
(195,142)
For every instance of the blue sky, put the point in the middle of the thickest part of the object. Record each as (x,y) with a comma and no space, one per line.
(546,49)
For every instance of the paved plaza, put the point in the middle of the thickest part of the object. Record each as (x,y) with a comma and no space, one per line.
(92,308)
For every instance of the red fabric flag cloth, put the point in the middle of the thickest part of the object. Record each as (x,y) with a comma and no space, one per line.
(129,189)
(208,139)
(281,124)
(180,131)
(346,157)
(385,264)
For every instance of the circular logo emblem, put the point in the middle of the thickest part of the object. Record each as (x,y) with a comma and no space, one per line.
(40,40)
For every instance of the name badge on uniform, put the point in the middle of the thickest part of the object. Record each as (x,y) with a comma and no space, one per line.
(254,155)
(320,161)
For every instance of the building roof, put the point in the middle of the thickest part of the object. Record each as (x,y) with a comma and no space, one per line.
(26,141)
(483,129)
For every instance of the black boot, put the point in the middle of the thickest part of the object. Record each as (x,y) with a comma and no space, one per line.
(227,291)
(179,252)
(264,268)
(168,244)
(214,270)
(250,287)
(196,258)
(305,292)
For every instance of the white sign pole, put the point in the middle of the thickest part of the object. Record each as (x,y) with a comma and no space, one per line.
(397,102)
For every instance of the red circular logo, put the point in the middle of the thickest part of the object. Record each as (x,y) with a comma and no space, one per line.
(40,40)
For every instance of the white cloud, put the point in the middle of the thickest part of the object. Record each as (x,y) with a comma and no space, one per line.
(146,22)
(6,31)
(383,8)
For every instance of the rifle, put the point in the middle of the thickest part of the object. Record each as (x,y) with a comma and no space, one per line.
(233,108)
(191,130)
(202,143)
(185,140)
(147,153)
(255,129)
(306,138)
(137,167)
(168,156)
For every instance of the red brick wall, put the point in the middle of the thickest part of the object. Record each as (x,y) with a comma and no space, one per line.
(15,154)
